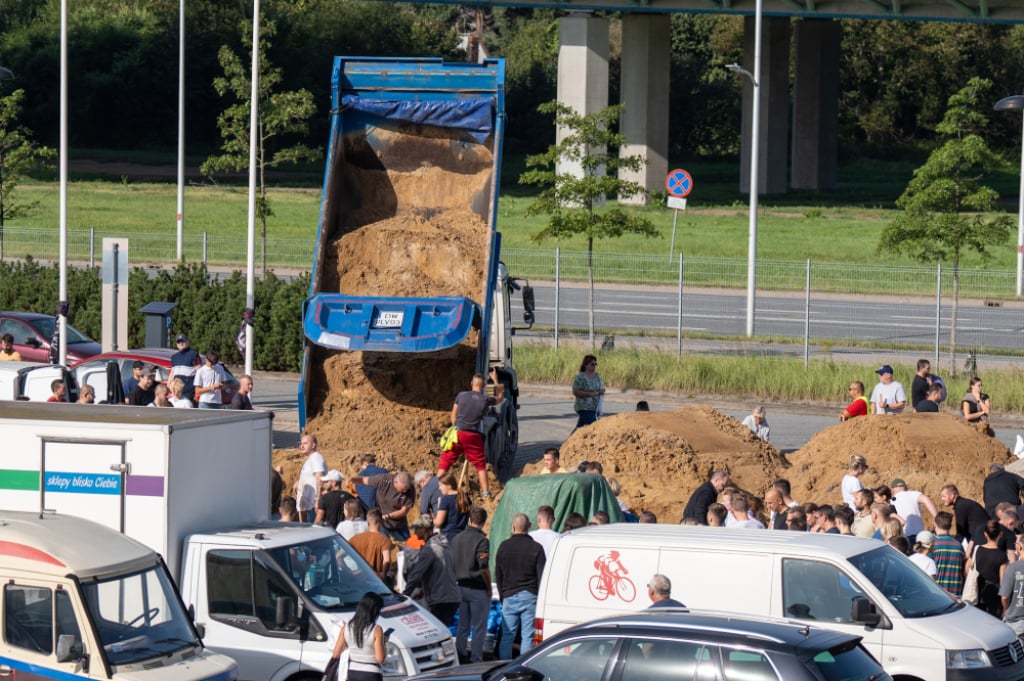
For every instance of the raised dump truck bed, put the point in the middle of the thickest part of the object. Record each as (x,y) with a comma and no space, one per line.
(407,254)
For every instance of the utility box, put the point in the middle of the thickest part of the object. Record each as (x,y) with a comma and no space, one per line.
(158,324)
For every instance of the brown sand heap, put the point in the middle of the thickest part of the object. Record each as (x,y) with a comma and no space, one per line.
(419,254)
(926,450)
(660,457)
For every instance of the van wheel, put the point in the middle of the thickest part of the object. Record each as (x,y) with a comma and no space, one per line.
(906,678)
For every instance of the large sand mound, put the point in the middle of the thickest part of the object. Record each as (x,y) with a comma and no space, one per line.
(926,450)
(659,458)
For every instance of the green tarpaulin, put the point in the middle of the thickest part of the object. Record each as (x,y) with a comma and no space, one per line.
(583,493)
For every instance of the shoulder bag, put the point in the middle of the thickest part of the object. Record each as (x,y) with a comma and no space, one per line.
(971,583)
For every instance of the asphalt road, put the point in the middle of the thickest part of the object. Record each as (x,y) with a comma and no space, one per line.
(649,309)
(546,417)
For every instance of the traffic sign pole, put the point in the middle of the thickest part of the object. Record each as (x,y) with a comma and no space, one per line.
(679,184)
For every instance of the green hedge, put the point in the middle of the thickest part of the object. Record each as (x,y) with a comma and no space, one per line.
(209,308)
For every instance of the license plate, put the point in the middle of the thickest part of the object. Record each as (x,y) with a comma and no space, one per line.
(448,646)
(389,320)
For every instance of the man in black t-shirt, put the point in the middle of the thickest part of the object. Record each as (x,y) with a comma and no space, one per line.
(330,507)
(931,403)
(922,382)
(144,393)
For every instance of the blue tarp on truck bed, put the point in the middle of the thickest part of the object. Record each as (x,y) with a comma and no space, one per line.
(472,114)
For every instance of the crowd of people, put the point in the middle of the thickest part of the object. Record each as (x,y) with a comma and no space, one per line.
(194,381)
(442,557)
(971,550)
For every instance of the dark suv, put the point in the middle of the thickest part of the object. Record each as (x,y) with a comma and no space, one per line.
(659,646)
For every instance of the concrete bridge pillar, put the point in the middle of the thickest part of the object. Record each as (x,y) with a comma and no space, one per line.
(816,104)
(774,92)
(582,70)
(644,94)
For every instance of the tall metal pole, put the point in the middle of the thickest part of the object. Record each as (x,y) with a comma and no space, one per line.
(1020,218)
(63,287)
(755,144)
(250,260)
(1016,103)
(181,131)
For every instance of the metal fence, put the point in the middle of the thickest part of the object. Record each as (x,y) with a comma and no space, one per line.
(662,301)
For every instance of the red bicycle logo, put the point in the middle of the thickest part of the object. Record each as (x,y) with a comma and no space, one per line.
(611,579)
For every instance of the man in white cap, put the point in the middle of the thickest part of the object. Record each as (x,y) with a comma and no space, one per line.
(919,553)
(330,507)
(888,397)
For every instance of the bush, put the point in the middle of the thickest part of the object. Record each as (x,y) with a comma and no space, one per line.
(209,308)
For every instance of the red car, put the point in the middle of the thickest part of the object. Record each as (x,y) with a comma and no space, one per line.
(94,369)
(32,332)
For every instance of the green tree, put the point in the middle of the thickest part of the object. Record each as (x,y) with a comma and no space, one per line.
(19,155)
(571,199)
(280,114)
(945,203)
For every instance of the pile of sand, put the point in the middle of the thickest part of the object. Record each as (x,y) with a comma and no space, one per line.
(926,450)
(659,458)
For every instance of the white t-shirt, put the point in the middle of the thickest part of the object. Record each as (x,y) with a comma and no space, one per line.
(207,376)
(350,528)
(183,403)
(851,485)
(545,538)
(314,464)
(925,563)
(891,393)
(749,523)
(907,507)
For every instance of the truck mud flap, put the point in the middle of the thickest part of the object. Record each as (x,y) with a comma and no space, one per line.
(341,322)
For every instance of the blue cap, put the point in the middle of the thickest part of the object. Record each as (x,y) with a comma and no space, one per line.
(885,369)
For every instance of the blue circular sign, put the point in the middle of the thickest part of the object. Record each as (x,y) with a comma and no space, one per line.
(679,183)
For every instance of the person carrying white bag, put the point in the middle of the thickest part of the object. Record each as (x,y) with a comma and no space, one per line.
(363,639)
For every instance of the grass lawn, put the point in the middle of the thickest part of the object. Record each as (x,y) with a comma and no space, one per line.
(841,226)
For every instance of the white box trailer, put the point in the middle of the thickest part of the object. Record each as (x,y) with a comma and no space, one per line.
(157,475)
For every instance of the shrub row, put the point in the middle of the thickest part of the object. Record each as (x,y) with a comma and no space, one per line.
(209,308)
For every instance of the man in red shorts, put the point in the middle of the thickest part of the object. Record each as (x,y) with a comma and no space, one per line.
(859,406)
(467,413)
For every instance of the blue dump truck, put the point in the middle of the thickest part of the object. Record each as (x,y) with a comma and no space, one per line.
(408,296)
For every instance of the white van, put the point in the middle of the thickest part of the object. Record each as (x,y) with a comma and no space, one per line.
(32,380)
(859,586)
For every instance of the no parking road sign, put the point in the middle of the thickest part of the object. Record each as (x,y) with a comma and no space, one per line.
(679,183)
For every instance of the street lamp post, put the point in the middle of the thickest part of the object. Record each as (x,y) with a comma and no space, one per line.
(755,143)
(1016,103)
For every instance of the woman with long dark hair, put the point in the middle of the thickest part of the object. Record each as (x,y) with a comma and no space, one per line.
(587,388)
(364,639)
(453,506)
(990,561)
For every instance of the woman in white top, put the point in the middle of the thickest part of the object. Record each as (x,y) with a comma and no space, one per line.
(364,639)
(920,557)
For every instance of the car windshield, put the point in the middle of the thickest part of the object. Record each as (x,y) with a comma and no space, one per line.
(137,616)
(848,662)
(905,585)
(44,327)
(330,572)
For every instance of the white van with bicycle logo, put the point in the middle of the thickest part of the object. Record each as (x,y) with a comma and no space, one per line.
(849,584)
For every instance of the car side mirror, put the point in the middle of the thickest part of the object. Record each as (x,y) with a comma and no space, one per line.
(523,674)
(33,342)
(66,649)
(864,611)
(284,611)
(529,305)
